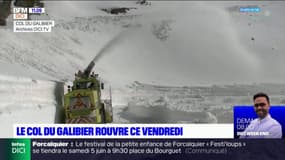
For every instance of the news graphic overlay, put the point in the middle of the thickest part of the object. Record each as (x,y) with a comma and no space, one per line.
(20,13)
(15,149)
(124,149)
(135,141)
(135,131)
(244,115)
(23,23)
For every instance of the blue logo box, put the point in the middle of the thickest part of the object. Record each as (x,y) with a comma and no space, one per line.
(249,9)
(244,114)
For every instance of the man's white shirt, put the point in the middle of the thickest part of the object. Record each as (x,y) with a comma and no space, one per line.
(263,128)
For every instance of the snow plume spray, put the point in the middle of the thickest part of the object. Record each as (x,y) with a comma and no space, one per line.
(108,46)
(103,52)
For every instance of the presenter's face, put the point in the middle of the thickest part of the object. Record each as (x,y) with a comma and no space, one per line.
(261,107)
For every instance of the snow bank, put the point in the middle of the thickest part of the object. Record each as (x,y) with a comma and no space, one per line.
(24,100)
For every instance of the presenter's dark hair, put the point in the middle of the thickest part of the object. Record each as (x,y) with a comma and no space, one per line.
(257,95)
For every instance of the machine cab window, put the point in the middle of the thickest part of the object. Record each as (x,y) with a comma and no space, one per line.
(84,85)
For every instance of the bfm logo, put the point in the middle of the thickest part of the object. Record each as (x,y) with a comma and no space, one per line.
(18,150)
(20,13)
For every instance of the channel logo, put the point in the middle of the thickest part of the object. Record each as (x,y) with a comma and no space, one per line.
(18,148)
(20,10)
(20,13)
(20,16)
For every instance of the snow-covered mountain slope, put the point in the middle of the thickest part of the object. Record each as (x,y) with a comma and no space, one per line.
(165,43)
(150,103)
(162,43)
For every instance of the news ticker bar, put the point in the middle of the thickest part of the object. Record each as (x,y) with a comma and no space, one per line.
(103,131)
(74,149)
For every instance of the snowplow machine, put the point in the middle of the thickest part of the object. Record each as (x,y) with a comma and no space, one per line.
(83,103)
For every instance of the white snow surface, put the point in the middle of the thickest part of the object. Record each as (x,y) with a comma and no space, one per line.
(25,100)
(165,43)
